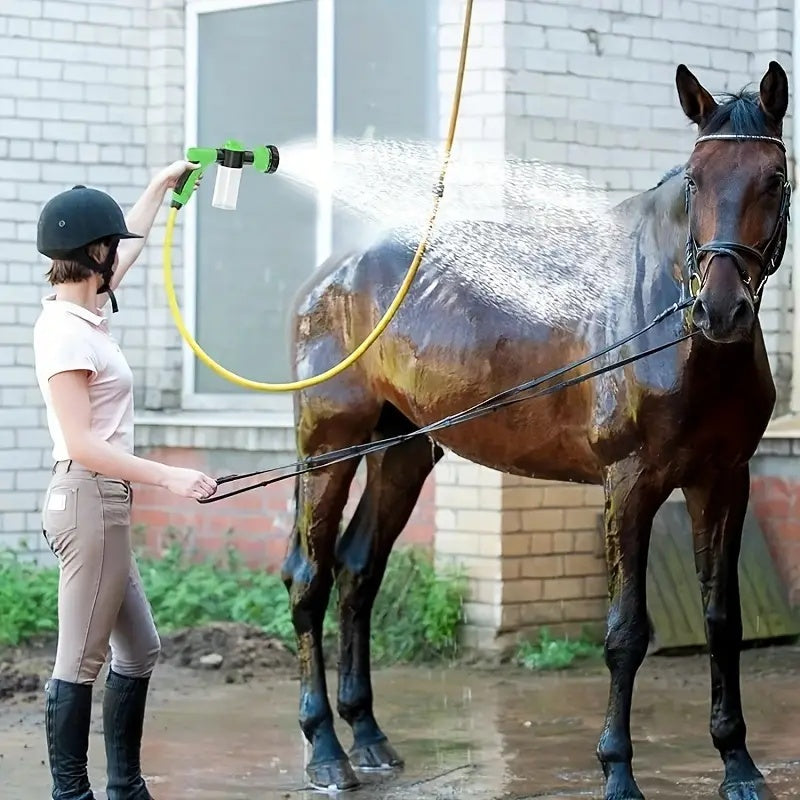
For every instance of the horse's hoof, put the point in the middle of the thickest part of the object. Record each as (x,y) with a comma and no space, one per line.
(332,776)
(620,784)
(746,790)
(379,756)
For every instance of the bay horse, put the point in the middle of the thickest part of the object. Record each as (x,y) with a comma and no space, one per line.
(690,417)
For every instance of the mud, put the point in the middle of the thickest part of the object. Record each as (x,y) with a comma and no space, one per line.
(489,733)
(238,651)
(13,682)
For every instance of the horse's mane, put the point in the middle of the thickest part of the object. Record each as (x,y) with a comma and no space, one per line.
(670,173)
(740,111)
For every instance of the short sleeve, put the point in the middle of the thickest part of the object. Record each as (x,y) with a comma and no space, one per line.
(62,351)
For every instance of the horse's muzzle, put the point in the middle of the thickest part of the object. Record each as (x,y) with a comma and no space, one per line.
(724,323)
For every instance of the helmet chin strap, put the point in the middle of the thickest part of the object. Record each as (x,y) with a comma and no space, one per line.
(105,269)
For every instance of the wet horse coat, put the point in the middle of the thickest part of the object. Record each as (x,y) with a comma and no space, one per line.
(689,417)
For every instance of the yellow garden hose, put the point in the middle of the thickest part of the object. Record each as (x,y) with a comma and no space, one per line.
(390,312)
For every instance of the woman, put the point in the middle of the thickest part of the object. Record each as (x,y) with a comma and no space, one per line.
(86,385)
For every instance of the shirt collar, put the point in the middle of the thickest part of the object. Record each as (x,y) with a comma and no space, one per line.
(69,307)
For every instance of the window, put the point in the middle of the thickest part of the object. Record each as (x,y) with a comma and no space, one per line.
(277,71)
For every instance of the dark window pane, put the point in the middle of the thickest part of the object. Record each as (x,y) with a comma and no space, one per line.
(257,84)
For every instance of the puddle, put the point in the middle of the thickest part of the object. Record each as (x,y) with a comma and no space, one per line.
(464,733)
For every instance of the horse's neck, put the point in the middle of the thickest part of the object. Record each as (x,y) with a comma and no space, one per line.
(657,222)
(658,225)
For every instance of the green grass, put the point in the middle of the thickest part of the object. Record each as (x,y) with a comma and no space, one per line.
(416,617)
(548,653)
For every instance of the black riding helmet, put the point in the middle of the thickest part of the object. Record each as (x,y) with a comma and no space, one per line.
(76,218)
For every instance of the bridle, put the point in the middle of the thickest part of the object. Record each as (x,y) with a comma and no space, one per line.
(769,260)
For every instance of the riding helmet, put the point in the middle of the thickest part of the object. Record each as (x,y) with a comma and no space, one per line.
(77,217)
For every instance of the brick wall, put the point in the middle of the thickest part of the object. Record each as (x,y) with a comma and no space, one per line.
(257,523)
(775,500)
(591,87)
(553,558)
(72,112)
(587,84)
(161,370)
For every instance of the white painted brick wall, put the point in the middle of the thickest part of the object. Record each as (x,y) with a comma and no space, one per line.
(70,113)
(589,83)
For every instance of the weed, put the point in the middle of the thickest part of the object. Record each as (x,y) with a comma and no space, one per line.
(416,616)
(548,653)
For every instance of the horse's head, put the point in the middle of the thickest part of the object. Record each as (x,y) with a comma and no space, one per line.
(737,200)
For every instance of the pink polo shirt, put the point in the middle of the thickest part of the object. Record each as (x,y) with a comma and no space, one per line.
(67,336)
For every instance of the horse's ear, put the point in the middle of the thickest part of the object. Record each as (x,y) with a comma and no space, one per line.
(696,102)
(774,92)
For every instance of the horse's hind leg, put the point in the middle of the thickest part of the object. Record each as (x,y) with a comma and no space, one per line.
(717,509)
(308,576)
(394,481)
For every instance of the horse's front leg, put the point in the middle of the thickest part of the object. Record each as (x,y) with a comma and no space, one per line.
(308,576)
(717,508)
(632,498)
(394,482)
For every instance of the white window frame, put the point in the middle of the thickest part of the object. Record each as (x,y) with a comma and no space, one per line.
(278,407)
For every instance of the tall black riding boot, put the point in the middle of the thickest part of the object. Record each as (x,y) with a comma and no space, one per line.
(68,711)
(123,722)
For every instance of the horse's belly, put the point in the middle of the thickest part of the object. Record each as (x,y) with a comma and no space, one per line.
(545,437)
(522,453)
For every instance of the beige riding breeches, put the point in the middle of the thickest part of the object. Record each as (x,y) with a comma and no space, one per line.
(86,520)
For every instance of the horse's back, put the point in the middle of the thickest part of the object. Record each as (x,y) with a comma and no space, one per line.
(464,332)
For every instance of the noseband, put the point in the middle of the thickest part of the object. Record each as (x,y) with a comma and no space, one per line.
(769,260)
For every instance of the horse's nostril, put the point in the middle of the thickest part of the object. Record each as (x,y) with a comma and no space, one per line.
(700,313)
(743,312)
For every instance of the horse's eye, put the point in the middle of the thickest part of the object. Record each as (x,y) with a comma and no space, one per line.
(690,183)
(775,183)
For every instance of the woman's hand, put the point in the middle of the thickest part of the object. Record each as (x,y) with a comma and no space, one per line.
(172,173)
(189,483)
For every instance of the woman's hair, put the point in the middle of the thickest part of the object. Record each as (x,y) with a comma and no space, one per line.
(69,271)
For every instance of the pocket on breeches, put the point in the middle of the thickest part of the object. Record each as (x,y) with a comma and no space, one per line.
(114,491)
(116,499)
(59,514)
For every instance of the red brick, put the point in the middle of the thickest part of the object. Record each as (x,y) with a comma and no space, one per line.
(261,519)
(244,526)
(276,549)
(150,517)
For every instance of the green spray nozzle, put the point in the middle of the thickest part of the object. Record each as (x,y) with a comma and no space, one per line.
(231,158)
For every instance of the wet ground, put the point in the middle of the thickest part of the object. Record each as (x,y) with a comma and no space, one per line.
(228,731)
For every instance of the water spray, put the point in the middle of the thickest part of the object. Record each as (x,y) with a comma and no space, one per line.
(231,159)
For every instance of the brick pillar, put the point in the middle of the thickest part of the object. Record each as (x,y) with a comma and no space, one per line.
(469,520)
(553,562)
(532,551)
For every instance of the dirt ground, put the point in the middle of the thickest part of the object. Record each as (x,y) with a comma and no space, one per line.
(236,652)
(222,725)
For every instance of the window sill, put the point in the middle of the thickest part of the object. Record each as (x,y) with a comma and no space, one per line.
(785,427)
(215,430)
(274,431)
(782,438)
